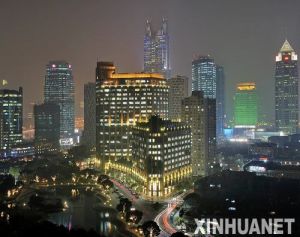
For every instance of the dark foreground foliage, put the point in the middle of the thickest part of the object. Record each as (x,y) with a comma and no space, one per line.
(19,226)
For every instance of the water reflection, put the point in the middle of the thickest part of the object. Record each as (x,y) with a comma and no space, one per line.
(104,225)
(86,211)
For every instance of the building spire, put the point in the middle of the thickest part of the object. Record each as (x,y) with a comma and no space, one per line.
(286,47)
(4,82)
(164,27)
(148,28)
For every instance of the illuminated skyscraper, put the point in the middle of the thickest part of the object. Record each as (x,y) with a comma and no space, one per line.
(178,90)
(59,89)
(156,50)
(89,133)
(245,105)
(122,100)
(204,76)
(286,90)
(11,119)
(209,78)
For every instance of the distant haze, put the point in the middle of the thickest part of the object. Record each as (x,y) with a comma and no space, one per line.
(243,36)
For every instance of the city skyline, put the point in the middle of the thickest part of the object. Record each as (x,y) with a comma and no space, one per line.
(149,118)
(245,48)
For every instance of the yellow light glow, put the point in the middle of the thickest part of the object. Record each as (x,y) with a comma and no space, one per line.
(136,75)
(248,86)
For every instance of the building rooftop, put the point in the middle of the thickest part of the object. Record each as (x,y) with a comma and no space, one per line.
(246,86)
(286,47)
(136,75)
(157,124)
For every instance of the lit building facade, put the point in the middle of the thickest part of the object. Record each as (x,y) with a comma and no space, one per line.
(209,77)
(211,128)
(245,105)
(122,100)
(161,152)
(47,126)
(89,133)
(286,90)
(220,101)
(178,90)
(156,50)
(59,89)
(204,76)
(200,113)
(11,119)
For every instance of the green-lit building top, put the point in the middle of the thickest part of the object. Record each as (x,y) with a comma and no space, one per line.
(245,105)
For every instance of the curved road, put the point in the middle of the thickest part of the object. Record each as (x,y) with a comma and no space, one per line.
(137,202)
(163,218)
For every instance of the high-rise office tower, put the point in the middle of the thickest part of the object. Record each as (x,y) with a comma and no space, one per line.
(220,101)
(156,50)
(209,78)
(11,119)
(59,89)
(204,76)
(47,126)
(89,133)
(211,129)
(245,105)
(286,90)
(178,90)
(161,150)
(122,100)
(200,113)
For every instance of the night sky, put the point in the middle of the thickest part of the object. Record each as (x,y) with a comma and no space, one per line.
(243,36)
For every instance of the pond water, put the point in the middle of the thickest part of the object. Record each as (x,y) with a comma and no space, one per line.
(86,211)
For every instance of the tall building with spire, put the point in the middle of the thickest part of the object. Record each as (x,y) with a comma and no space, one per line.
(156,50)
(59,89)
(286,90)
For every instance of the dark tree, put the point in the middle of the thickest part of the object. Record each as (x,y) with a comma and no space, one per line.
(107,184)
(6,182)
(134,216)
(181,213)
(102,177)
(150,229)
(36,202)
(178,234)
(124,205)
(20,226)
(79,152)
